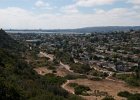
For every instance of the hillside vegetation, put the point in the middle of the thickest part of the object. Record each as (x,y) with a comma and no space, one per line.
(18,81)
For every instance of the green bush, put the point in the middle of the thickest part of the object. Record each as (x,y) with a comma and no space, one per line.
(134,97)
(132,81)
(79,90)
(80,68)
(124,94)
(73,85)
(129,96)
(96,79)
(71,77)
(129,79)
(53,80)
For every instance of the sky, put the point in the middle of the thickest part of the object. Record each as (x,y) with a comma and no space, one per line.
(62,14)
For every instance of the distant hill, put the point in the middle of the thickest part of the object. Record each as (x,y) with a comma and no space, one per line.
(81,30)
(98,29)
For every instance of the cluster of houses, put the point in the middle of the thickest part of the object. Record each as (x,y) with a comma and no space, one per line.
(112,51)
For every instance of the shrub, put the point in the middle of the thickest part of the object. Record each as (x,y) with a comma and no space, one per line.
(129,96)
(53,80)
(80,89)
(129,79)
(96,79)
(132,81)
(80,68)
(71,77)
(73,85)
(124,94)
(134,97)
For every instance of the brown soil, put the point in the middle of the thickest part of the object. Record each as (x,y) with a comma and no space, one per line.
(112,88)
(62,72)
(42,70)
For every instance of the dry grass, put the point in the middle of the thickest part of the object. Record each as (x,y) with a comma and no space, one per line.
(112,88)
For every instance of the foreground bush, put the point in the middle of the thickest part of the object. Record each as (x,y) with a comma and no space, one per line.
(124,94)
(129,96)
(79,90)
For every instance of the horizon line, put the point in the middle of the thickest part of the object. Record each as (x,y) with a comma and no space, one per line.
(69,28)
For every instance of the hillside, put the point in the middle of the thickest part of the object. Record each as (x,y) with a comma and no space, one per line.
(6,41)
(18,81)
(104,29)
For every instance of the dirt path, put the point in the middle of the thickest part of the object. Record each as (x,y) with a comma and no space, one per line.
(66,66)
(68,88)
(47,55)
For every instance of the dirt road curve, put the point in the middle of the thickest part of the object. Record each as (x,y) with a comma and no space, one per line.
(67,88)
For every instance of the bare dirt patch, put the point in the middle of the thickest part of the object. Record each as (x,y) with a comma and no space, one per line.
(62,72)
(42,70)
(43,54)
(112,88)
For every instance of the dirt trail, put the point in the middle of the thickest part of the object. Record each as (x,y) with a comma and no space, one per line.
(47,55)
(66,66)
(68,88)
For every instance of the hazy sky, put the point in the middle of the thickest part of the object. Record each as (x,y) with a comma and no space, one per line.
(54,14)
